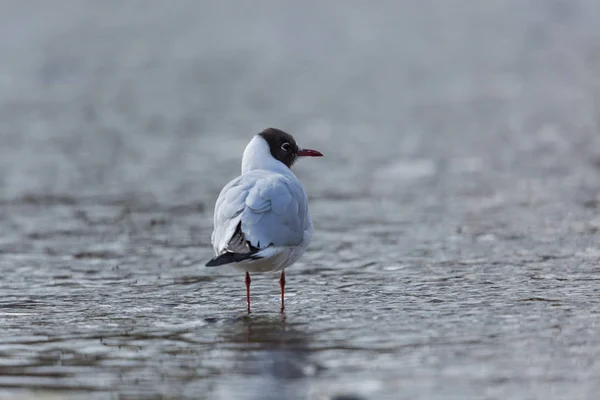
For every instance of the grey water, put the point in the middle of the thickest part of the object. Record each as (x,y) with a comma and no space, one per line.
(456,246)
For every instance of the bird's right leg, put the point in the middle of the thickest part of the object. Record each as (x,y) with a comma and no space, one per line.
(282,285)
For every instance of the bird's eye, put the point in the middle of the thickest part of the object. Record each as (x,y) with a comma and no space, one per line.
(286,146)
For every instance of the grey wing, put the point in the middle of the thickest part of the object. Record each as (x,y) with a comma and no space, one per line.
(268,209)
(275,213)
(228,210)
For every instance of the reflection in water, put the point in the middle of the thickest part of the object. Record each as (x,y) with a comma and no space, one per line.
(274,358)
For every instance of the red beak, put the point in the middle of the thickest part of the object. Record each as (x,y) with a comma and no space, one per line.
(309,153)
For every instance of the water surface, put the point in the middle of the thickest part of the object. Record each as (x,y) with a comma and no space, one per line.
(456,209)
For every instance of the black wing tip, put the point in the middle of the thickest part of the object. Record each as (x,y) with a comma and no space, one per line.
(213,263)
(228,258)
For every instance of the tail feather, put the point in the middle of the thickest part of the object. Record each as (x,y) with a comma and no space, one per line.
(228,258)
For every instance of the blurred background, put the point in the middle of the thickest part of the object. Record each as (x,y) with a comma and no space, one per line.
(456,208)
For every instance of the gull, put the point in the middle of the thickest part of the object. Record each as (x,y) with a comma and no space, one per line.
(261,220)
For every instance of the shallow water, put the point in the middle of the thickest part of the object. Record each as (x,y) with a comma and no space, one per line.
(456,208)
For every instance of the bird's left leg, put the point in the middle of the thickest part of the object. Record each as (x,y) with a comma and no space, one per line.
(248,280)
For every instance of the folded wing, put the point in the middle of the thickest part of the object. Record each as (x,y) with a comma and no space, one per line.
(268,209)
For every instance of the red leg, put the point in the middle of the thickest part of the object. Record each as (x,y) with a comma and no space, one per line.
(248,280)
(282,284)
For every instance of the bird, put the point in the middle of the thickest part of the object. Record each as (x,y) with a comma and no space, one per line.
(261,219)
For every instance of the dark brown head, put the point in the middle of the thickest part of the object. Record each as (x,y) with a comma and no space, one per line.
(284,148)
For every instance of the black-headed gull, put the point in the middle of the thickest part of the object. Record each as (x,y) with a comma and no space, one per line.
(261,217)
